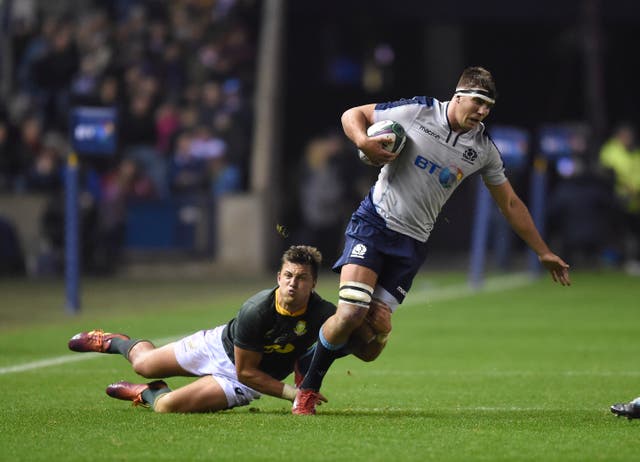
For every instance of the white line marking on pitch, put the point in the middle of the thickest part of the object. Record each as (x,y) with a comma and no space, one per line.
(434,294)
(66,359)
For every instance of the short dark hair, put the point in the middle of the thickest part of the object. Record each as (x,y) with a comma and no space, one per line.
(303,255)
(478,77)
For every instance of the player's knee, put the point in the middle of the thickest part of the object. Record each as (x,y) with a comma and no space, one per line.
(143,367)
(350,317)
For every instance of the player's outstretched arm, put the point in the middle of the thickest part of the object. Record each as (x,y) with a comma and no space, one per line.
(249,373)
(520,220)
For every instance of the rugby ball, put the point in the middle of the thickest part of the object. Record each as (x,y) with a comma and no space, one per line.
(396,133)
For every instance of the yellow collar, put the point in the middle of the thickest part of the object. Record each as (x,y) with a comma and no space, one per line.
(284,312)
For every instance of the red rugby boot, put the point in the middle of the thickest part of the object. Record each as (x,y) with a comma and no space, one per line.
(128,391)
(305,402)
(96,340)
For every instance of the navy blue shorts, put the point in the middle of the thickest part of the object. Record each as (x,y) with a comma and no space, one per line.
(396,258)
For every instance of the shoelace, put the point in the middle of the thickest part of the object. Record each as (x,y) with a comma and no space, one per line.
(96,337)
(138,401)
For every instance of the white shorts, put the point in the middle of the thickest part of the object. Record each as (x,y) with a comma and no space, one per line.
(203,354)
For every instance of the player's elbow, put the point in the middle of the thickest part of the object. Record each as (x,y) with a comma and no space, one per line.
(246,377)
(346,115)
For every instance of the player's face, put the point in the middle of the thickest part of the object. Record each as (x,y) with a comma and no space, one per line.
(295,283)
(470,111)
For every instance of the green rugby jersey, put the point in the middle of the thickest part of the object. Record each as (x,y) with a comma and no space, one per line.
(281,338)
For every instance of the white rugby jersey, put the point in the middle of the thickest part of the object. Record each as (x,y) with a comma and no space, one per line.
(411,191)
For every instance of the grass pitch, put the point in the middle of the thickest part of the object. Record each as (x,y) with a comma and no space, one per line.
(525,370)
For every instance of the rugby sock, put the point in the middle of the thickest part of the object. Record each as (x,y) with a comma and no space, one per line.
(122,346)
(304,361)
(150,396)
(322,359)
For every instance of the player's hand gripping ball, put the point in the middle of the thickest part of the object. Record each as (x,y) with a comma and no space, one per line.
(394,131)
(377,324)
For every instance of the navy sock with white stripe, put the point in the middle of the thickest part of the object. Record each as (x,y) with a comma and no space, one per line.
(324,355)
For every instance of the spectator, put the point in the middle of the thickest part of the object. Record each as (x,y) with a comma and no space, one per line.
(324,194)
(187,173)
(28,146)
(9,165)
(211,101)
(123,183)
(11,257)
(167,125)
(620,155)
(138,134)
(235,135)
(173,69)
(45,174)
(37,47)
(54,72)
(225,177)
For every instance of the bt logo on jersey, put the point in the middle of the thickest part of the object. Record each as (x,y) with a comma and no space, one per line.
(447,176)
(450,176)
(426,164)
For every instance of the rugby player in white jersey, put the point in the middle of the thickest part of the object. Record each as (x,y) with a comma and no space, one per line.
(273,333)
(386,238)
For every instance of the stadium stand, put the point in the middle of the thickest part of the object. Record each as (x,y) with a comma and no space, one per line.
(181,76)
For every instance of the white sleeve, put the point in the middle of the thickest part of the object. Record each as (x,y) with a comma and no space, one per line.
(493,170)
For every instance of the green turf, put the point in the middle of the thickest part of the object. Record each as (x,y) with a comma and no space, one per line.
(526,373)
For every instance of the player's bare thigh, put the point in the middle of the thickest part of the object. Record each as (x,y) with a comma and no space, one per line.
(352,272)
(152,362)
(203,395)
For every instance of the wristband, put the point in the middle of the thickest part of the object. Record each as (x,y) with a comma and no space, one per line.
(289,392)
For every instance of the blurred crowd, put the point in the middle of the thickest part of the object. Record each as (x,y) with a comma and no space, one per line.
(593,211)
(331,181)
(179,73)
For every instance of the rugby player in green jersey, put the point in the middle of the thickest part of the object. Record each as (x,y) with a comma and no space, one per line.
(251,355)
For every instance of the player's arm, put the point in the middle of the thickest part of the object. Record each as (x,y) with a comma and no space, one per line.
(520,220)
(249,373)
(355,122)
